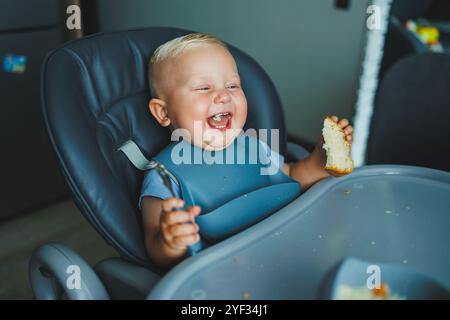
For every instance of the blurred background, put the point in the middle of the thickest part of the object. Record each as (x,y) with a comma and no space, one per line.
(315,51)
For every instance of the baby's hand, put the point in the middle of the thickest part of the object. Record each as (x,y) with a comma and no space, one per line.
(347,128)
(319,155)
(176,232)
(344,124)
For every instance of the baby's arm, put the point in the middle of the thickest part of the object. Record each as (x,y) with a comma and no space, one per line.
(312,169)
(167,235)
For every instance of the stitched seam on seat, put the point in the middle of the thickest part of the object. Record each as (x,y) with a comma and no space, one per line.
(80,194)
(135,55)
(102,114)
(115,102)
(83,68)
(138,60)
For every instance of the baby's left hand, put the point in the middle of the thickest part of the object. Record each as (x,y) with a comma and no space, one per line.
(319,155)
(344,124)
(312,169)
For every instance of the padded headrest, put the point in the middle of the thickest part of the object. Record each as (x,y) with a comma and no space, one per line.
(410,9)
(410,124)
(95,97)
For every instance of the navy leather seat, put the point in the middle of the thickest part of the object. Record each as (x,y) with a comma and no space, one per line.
(412,110)
(401,42)
(95,96)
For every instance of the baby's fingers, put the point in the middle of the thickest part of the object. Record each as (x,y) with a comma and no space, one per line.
(348,133)
(172,203)
(174,217)
(179,216)
(184,241)
(343,123)
(334,118)
(348,130)
(194,211)
(183,229)
(349,138)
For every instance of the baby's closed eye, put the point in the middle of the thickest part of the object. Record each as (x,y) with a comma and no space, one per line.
(202,88)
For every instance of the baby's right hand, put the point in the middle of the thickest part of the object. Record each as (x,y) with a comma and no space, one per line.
(176,232)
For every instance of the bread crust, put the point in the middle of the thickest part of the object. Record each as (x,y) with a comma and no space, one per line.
(334,169)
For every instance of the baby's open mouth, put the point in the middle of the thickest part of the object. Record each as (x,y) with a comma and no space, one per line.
(220,121)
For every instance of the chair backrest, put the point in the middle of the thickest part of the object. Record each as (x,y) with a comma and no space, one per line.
(410,124)
(399,44)
(410,9)
(95,97)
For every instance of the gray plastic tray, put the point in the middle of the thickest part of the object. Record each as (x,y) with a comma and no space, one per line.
(398,215)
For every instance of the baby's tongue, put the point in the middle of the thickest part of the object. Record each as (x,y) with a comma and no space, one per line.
(218,121)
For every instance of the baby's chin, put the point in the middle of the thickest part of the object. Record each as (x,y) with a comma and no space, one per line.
(215,147)
(215,140)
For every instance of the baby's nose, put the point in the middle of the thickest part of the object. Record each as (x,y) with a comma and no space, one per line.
(222,97)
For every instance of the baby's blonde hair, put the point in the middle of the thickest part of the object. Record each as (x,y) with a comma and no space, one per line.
(174,47)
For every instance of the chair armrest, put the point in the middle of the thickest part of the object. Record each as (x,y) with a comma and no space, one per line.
(126,280)
(53,270)
(295,152)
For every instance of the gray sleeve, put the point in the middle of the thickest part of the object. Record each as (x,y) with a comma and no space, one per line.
(153,185)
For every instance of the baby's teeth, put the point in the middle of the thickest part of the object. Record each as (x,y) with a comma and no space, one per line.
(217,117)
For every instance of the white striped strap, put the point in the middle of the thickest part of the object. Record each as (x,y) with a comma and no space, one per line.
(136,157)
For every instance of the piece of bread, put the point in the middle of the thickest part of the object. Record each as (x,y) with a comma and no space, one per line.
(337,148)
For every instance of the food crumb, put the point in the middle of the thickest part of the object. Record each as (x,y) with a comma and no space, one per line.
(382,291)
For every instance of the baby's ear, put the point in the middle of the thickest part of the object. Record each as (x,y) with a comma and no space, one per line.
(158,109)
